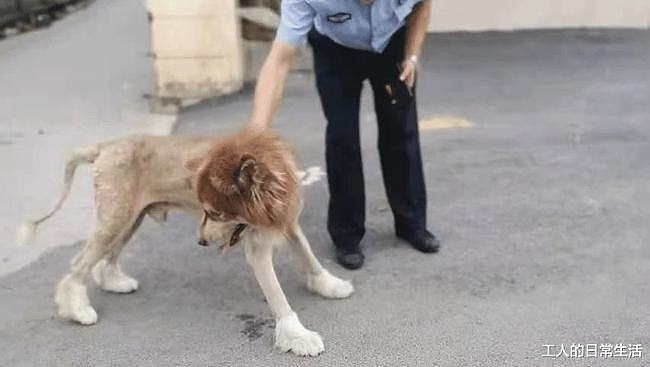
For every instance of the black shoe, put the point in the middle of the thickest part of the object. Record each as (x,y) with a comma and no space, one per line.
(422,241)
(350,258)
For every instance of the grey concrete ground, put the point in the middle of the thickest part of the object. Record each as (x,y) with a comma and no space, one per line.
(542,208)
(74,83)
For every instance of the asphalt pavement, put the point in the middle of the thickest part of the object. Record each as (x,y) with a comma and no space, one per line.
(74,83)
(540,200)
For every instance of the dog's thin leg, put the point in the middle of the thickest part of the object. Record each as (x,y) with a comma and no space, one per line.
(319,280)
(107,273)
(260,258)
(290,334)
(71,296)
(112,228)
(301,247)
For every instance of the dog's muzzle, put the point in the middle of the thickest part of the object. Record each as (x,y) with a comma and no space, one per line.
(235,237)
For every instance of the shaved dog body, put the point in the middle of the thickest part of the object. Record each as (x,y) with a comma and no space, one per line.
(243,189)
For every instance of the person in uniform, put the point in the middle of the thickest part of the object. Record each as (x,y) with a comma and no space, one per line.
(352,41)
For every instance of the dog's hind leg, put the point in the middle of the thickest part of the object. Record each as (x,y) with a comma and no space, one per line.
(290,334)
(319,280)
(116,199)
(71,295)
(107,274)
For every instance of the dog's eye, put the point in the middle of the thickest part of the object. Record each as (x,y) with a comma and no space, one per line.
(214,215)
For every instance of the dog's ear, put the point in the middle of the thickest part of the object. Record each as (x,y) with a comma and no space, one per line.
(193,164)
(247,175)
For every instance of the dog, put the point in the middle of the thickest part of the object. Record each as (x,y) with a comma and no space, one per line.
(244,188)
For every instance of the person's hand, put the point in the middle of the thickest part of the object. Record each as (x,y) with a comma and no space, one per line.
(407,74)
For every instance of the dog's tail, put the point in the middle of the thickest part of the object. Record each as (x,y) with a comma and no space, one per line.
(27,230)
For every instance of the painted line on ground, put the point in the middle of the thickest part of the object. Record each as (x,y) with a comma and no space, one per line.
(445,122)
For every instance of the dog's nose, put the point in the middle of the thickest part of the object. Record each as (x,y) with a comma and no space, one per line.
(203,242)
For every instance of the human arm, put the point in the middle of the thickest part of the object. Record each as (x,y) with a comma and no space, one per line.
(416,28)
(297,18)
(270,84)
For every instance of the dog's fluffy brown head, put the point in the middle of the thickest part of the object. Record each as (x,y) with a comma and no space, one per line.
(250,177)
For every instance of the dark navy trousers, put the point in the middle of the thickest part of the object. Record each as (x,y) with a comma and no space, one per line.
(340,72)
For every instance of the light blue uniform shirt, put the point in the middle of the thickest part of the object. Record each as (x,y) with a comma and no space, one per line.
(350,23)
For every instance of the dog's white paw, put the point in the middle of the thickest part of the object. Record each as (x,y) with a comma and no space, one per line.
(72,301)
(111,278)
(329,286)
(290,335)
(85,315)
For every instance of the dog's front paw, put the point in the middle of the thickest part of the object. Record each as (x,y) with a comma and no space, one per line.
(290,335)
(329,286)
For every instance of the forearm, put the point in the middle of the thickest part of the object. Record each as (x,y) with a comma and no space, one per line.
(416,28)
(270,86)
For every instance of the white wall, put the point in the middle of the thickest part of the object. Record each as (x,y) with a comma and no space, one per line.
(190,62)
(480,15)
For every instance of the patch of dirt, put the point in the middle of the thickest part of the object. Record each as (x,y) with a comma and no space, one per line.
(254,326)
